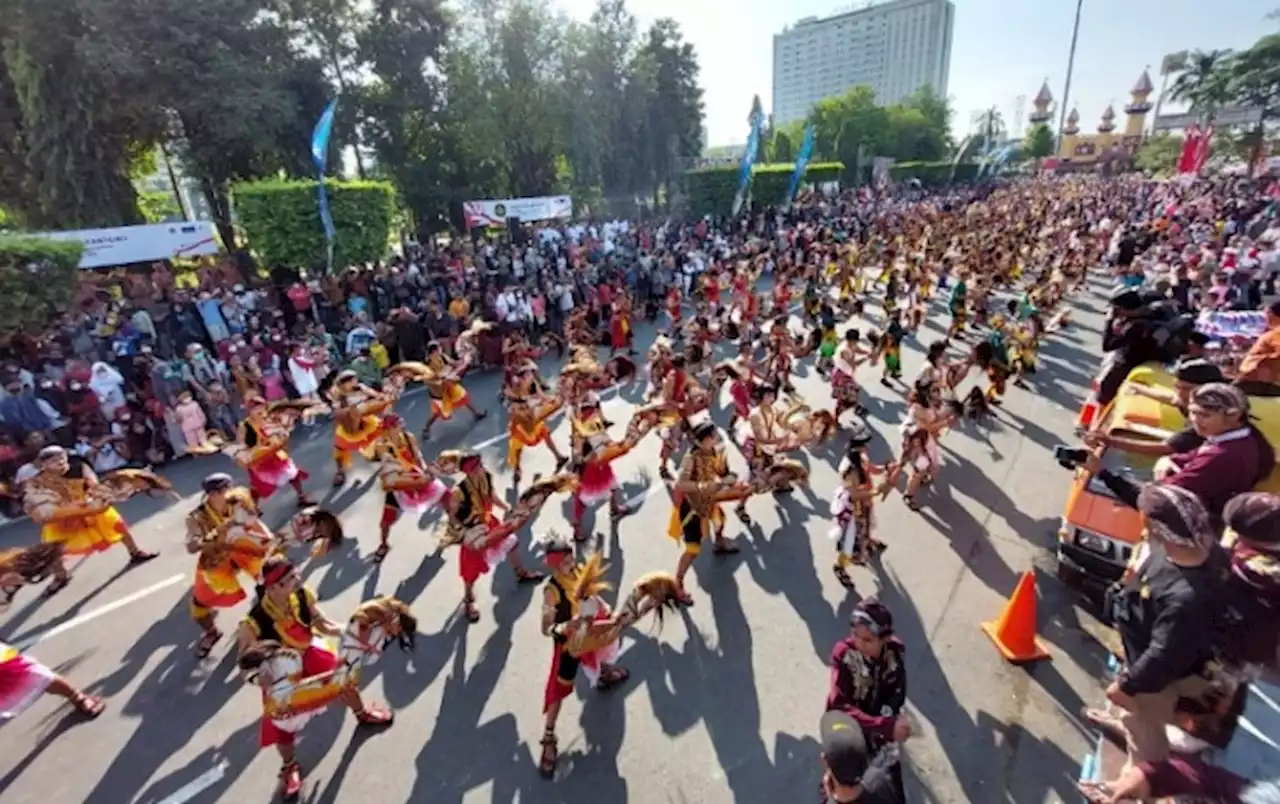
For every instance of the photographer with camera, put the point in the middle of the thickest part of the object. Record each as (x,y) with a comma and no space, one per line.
(1140,328)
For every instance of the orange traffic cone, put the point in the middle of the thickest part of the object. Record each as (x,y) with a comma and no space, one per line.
(1015,632)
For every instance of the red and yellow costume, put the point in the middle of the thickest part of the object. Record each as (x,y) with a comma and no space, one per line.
(470,504)
(695,516)
(230,543)
(527,423)
(357,419)
(292,626)
(263,438)
(69,513)
(448,394)
(673,307)
(406,482)
(620,325)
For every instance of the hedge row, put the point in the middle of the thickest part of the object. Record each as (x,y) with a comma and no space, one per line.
(933,174)
(37,279)
(710,191)
(282,221)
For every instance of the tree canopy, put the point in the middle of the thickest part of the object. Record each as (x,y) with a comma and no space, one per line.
(1211,80)
(448,102)
(853,128)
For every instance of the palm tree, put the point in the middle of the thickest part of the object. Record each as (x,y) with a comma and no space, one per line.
(1204,83)
(989,128)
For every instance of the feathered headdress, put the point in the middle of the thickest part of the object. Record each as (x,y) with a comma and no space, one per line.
(588,580)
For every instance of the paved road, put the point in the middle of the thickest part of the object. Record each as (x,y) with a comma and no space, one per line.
(722,705)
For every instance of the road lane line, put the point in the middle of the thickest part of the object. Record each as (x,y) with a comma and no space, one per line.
(199,784)
(94,614)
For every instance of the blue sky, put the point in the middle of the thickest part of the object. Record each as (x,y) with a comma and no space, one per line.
(1001,49)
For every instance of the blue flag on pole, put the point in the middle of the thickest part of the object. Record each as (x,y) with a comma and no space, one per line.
(802,164)
(748,159)
(320,155)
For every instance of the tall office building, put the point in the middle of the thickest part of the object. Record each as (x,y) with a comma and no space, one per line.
(894,47)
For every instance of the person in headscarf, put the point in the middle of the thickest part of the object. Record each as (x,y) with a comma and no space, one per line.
(108,385)
(1165,613)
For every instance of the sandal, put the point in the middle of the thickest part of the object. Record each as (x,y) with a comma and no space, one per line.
(339,479)
(55,586)
(741,513)
(205,646)
(88,705)
(375,716)
(470,611)
(611,677)
(550,754)
(380,553)
(529,576)
(1105,722)
(842,575)
(290,780)
(140,557)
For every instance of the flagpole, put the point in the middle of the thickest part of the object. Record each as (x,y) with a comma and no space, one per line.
(1071,64)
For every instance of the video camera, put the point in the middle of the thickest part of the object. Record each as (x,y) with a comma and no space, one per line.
(1070,458)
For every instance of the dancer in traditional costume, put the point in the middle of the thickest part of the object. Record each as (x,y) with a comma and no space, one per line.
(993,356)
(227,532)
(695,513)
(742,386)
(23,680)
(593,452)
(844,383)
(527,414)
(585,631)
(357,416)
(958,305)
(445,387)
(519,362)
(21,566)
(73,509)
(890,348)
(854,505)
(472,503)
(682,397)
(408,483)
(262,450)
(924,425)
(673,309)
(285,616)
(620,334)
(660,354)
(762,437)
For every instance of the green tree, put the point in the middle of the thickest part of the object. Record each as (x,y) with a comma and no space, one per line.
(1159,154)
(67,127)
(37,279)
(1204,82)
(673,122)
(1038,142)
(781,148)
(1254,82)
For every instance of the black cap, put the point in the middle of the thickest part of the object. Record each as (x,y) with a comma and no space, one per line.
(1255,517)
(1198,372)
(218,481)
(704,430)
(844,747)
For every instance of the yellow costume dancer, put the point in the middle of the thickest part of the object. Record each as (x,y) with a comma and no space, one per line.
(357,412)
(528,412)
(74,510)
(447,393)
(695,513)
(227,532)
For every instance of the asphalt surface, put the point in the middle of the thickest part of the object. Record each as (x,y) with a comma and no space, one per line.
(723,703)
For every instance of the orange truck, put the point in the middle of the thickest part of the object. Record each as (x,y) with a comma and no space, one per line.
(1099,533)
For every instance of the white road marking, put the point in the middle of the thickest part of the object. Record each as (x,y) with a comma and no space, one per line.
(644,495)
(94,614)
(199,784)
(624,645)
